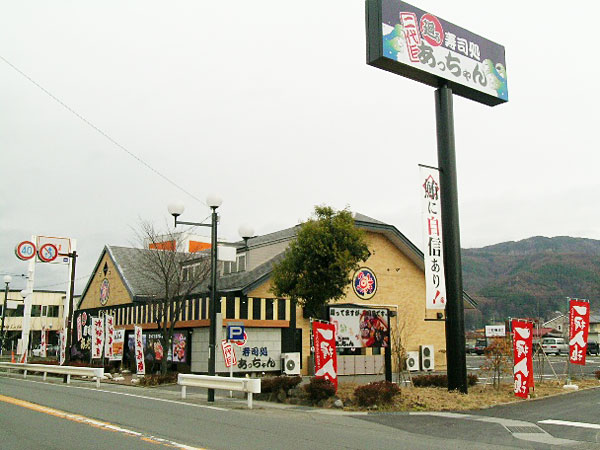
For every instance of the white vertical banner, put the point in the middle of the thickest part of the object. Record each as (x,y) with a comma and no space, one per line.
(139,351)
(63,347)
(43,342)
(433,248)
(109,322)
(97,337)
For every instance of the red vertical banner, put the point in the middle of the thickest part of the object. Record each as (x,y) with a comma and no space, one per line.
(579,324)
(522,352)
(325,353)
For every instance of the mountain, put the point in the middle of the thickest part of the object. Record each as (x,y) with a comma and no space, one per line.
(531,278)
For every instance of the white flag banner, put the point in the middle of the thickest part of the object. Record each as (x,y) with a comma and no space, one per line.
(43,342)
(139,351)
(63,347)
(109,322)
(97,337)
(433,249)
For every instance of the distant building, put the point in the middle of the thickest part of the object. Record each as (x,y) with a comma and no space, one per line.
(561,324)
(46,313)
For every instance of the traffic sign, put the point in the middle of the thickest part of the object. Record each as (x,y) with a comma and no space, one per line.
(25,250)
(63,245)
(235,332)
(48,253)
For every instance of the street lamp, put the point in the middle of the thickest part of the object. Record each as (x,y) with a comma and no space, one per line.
(176,209)
(7,280)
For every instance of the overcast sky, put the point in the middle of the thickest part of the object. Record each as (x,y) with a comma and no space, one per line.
(271,105)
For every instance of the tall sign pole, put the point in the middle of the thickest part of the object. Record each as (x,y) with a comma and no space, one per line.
(213,303)
(69,312)
(455,321)
(416,44)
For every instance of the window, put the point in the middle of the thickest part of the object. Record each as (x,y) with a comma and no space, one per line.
(241,263)
(227,267)
(52,311)
(185,274)
(36,310)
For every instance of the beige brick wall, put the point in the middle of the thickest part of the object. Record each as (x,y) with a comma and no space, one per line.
(401,287)
(118,292)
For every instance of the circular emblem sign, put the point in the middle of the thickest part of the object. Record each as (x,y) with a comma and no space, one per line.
(431,30)
(25,250)
(364,283)
(104,291)
(48,253)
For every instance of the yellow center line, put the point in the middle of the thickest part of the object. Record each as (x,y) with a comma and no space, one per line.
(93,422)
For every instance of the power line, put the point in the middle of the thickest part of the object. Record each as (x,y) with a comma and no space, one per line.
(90,124)
(63,283)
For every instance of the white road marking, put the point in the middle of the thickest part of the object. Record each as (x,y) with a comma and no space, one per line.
(593,426)
(216,408)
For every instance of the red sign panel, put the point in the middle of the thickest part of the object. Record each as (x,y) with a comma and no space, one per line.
(228,354)
(523,368)
(579,322)
(325,354)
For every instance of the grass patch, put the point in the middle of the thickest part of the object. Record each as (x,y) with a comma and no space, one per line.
(439,399)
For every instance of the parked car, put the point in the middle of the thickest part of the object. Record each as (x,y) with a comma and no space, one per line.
(51,350)
(480,346)
(554,346)
(593,348)
(469,348)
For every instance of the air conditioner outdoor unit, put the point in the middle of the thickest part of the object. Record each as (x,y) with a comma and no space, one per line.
(427,358)
(412,361)
(290,363)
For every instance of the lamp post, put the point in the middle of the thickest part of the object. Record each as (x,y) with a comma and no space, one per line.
(7,280)
(176,209)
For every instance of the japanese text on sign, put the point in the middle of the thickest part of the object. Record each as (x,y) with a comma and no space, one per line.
(579,322)
(522,352)
(435,281)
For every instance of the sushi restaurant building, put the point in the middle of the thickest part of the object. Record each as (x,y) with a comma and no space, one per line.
(383,306)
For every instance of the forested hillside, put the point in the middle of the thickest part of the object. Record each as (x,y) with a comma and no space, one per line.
(532,277)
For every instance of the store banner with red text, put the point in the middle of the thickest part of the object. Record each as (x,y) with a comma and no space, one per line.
(109,322)
(97,337)
(325,353)
(522,352)
(139,352)
(579,324)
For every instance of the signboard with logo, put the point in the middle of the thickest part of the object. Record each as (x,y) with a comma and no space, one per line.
(579,322)
(325,352)
(495,331)
(357,327)
(364,283)
(418,45)
(433,254)
(522,353)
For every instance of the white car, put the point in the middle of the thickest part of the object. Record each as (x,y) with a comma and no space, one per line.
(555,346)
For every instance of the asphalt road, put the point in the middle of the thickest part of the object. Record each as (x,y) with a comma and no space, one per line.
(558,363)
(52,415)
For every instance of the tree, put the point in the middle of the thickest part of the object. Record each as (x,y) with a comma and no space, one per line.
(399,334)
(171,275)
(318,264)
(497,359)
